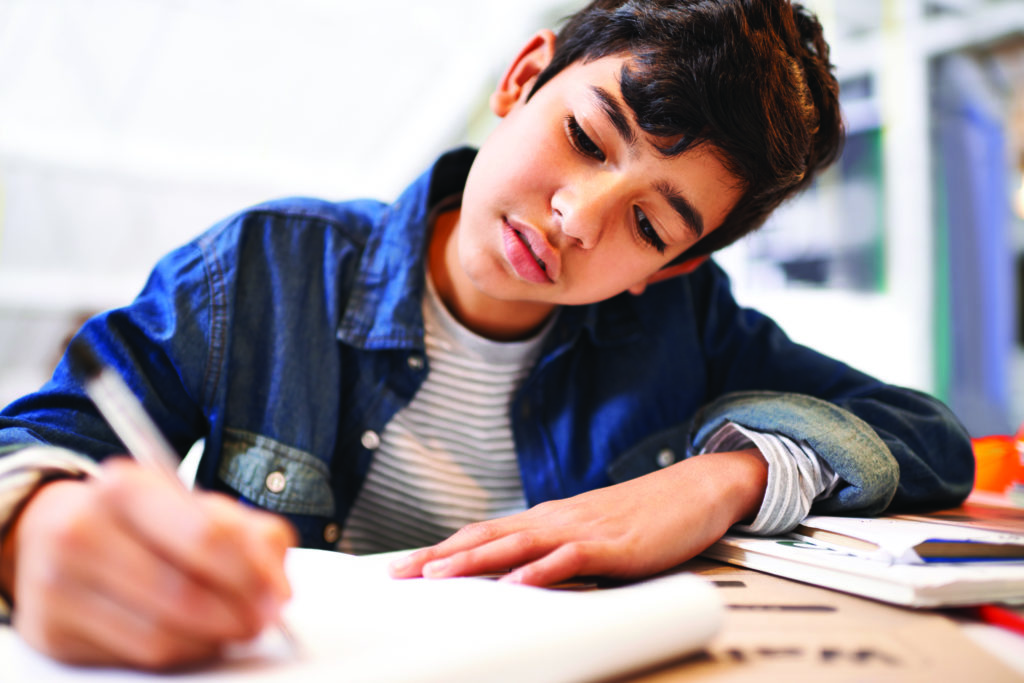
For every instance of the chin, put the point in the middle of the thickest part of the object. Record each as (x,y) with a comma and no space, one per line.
(486,276)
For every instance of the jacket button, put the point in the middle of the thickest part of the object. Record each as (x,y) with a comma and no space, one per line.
(276,481)
(370,440)
(666,457)
(331,533)
(415,362)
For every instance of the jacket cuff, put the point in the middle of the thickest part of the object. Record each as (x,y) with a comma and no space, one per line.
(867,469)
(797,478)
(22,473)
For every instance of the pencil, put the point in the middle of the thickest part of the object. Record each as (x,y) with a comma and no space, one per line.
(128,418)
(1000,616)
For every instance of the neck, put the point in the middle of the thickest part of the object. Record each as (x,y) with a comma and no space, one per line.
(486,316)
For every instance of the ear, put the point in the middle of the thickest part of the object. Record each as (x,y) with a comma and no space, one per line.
(687,266)
(517,80)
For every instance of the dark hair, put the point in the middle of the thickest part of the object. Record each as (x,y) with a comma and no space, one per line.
(751,78)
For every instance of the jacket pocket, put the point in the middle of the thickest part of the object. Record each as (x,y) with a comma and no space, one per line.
(274,476)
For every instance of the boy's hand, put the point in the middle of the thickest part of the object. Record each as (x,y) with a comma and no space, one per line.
(629,530)
(127,569)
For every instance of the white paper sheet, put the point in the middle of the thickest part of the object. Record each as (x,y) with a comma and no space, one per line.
(354,623)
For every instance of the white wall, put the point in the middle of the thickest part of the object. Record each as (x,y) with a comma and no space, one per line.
(128,126)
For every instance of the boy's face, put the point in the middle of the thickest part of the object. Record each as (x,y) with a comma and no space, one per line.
(568,202)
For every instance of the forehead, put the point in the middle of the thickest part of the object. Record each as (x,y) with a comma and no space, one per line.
(596,83)
(604,71)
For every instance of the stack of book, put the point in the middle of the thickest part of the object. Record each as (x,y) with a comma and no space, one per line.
(969,555)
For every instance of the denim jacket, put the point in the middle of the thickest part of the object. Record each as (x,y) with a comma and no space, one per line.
(288,335)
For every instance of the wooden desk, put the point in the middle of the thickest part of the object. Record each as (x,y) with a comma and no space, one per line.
(780,630)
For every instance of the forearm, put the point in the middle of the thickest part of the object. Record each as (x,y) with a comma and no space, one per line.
(637,528)
(931,448)
(891,446)
(731,484)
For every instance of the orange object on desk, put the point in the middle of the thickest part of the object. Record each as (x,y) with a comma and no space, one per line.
(998,463)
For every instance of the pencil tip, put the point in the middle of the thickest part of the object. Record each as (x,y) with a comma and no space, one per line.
(83,359)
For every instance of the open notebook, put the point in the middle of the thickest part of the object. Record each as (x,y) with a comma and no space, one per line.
(356,624)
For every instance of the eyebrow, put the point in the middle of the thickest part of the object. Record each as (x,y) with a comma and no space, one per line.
(614,112)
(620,122)
(682,206)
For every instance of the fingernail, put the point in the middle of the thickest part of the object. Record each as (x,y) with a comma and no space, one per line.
(270,608)
(401,564)
(513,577)
(435,569)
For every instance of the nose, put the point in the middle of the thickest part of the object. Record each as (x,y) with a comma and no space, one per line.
(583,209)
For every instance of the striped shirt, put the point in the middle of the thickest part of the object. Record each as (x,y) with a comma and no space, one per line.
(447,458)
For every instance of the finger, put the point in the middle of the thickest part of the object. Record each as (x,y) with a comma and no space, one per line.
(68,619)
(45,620)
(158,590)
(267,539)
(466,538)
(211,547)
(100,631)
(500,555)
(565,562)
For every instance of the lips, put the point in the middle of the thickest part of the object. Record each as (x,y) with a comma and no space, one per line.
(529,254)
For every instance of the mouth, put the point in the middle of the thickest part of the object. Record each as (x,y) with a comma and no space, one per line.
(529,255)
(526,243)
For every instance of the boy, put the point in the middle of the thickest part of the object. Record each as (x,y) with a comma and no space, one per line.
(506,342)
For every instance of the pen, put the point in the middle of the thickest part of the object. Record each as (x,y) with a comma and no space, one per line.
(129,420)
(1000,616)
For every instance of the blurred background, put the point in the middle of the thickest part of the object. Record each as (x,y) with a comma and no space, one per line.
(128,126)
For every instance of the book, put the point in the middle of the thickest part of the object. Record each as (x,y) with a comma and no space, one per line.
(869,564)
(913,541)
(352,622)
(822,564)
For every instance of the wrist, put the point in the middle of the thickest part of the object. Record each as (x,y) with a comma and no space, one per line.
(743,478)
(11,534)
(7,560)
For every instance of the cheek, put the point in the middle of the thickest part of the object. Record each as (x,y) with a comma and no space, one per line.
(623,256)
(614,271)
(532,158)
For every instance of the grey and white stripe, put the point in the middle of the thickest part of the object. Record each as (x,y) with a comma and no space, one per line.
(448,458)
(796,477)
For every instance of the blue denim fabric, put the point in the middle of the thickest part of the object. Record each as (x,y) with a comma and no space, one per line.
(289,334)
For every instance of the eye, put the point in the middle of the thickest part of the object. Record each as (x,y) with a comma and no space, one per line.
(581,141)
(646,232)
